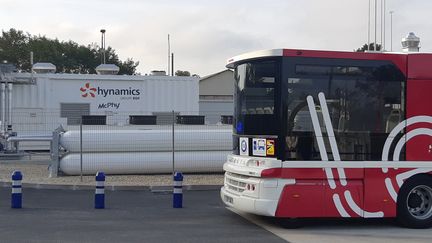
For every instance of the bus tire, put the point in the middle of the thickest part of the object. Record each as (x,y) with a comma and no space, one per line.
(414,203)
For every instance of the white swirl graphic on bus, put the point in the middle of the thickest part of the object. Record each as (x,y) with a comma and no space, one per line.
(386,150)
(400,178)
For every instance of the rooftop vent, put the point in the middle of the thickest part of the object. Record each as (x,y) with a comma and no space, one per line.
(44,67)
(158,73)
(107,69)
(411,43)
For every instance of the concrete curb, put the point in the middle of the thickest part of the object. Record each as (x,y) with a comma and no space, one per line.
(186,188)
(155,189)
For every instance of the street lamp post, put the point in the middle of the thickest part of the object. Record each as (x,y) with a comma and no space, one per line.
(103,44)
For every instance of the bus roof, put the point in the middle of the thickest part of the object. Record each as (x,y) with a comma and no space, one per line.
(398,58)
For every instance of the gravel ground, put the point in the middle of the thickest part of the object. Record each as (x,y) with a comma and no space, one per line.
(35,170)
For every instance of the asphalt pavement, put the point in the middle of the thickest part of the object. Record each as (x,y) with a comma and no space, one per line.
(66,215)
(60,215)
(343,230)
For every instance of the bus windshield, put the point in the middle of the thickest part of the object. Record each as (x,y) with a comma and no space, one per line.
(255,97)
(365,100)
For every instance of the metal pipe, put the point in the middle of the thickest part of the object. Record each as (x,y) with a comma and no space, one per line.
(81,152)
(10,104)
(391,30)
(172,64)
(375,44)
(173,144)
(381,23)
(369,12)
(104,48)
(384,13)
(103,45)
(3,107)
(19,139)
(169,55)
(31,67)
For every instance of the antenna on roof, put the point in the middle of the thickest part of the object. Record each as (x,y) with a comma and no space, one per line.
(369,20)
(375,44)
(169,54)
(384,24)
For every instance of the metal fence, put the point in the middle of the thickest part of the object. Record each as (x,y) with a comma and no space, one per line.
(77,143)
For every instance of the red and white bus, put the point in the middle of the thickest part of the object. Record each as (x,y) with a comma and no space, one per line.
(332,134)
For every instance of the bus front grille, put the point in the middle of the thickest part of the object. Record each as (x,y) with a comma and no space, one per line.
(234,182)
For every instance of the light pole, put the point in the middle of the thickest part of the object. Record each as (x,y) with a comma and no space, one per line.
(391,30)
(103,44)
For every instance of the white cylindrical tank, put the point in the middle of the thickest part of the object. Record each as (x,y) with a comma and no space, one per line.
(144,163)
(148,140)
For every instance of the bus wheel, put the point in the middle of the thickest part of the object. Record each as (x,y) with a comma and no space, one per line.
(414,204)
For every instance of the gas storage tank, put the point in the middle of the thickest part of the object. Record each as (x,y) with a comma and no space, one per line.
(148,140)
(146,150)
(144,162)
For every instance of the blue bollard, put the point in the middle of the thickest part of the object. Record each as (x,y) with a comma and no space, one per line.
(16,199)
(100,191)
(178,191)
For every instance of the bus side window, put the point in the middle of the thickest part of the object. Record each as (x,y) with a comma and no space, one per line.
(393,120)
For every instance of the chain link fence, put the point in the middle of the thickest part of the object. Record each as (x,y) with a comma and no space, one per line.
(68,146)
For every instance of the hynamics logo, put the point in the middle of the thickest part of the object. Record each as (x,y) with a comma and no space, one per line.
(91,92)
(88,91)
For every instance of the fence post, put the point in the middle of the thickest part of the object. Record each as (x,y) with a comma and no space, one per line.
(173,148)
(81,152)
(100,190)
(54,149)
(55,152)
(178,190)
(16,199)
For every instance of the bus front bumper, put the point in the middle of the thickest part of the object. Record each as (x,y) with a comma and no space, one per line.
(259,206)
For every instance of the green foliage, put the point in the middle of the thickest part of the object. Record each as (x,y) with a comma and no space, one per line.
(182,73)
(371,47)
(69,57)
(128,66)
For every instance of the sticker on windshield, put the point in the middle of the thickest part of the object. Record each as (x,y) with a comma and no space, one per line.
(244,146)
(259,146)
(270,147)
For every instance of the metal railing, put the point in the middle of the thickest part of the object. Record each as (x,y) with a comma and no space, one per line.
(123,143)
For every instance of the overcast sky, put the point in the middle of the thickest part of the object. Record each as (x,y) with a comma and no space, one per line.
(205,33)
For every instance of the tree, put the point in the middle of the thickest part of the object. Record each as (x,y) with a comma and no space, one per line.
(182,73)
(14,45)
(128,67)
(365,48)
(69,57)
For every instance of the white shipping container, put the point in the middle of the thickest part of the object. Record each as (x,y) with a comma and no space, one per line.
(43,106)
